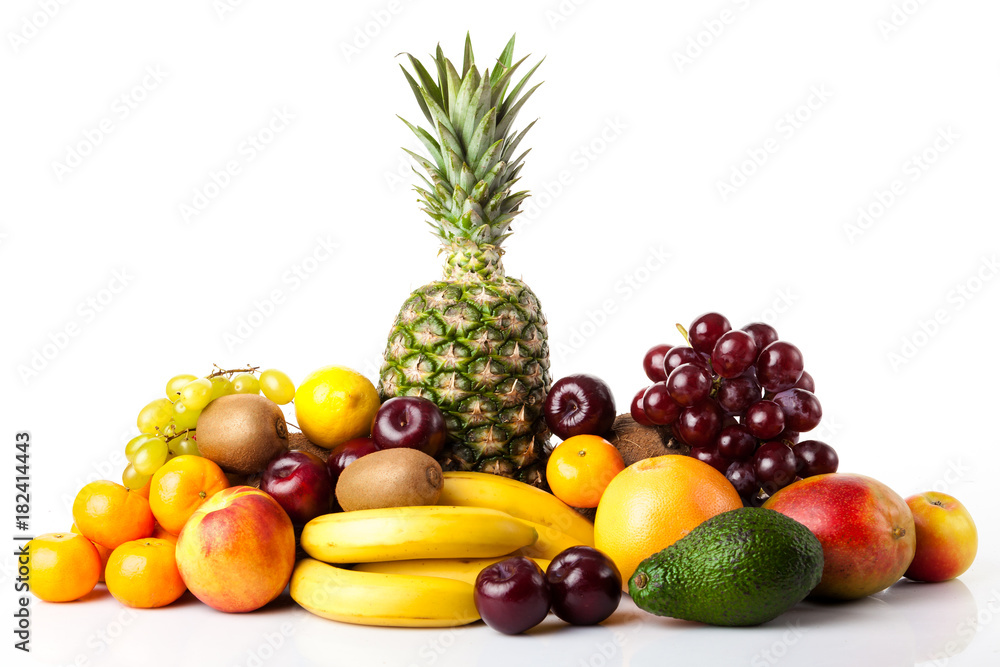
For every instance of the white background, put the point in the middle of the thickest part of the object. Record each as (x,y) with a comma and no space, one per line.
(645,113)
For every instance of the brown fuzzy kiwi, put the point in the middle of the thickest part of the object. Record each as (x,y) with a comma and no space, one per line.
(242,432)
(299,441)
(636,442)
(399,477)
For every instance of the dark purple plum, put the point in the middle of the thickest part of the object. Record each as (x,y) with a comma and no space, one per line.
(512,595)
(579,405)
(410,421)
(585,586)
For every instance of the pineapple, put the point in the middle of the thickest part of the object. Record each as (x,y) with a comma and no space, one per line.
(475,342)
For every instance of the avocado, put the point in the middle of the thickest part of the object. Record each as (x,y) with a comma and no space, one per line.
(742,567)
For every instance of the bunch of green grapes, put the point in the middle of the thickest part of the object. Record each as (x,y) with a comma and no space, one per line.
(167,426)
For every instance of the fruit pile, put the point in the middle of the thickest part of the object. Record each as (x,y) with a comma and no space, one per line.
(424,502)
(740,399)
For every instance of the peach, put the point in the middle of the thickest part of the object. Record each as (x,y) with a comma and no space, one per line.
(947,540)
(237,551)
(865,527)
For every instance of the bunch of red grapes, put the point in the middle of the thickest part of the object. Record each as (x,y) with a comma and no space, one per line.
(739,398)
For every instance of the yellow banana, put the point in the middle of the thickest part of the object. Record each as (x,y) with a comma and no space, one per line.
(551,542)
(405,533)
(450,568)
(478,489)
(367,598)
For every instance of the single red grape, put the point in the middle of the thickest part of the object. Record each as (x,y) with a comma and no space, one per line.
(763,334)
(813,457)
(765,419)
(658,406)
(699,424)
(733,354)
(652,362)
(689,384)
(706,330)
(802,409)
(779,366)
(637,411)
(736,443)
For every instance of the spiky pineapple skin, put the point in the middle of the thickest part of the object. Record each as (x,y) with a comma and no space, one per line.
(479,350)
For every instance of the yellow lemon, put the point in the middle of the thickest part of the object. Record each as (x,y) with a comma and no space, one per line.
(335,404)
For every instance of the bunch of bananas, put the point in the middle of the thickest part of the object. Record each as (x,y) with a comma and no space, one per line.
(417,565)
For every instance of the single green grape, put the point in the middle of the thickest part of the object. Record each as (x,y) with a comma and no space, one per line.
(183,446)
(221,386)
(177,383)
(135,443)
(277,386)
(244,383)
(184,418)
(150,457)
(155,416)
(196,394)
(132,479)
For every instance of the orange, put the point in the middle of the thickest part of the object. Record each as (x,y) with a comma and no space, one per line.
(581,467)
(110,514)
(180,486)
(161,533)
(655,502)
(143,573)
(62,566)
(103,552)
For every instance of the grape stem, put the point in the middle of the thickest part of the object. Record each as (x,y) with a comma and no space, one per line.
(178,435)
(220,371)
(684,333)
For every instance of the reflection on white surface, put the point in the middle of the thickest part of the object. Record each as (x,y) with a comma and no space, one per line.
(910,624)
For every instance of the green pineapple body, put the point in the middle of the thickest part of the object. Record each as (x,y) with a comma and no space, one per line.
(475,343)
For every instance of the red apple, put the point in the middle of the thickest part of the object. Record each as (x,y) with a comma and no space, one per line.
(300,482)
(865,527)
(946,537)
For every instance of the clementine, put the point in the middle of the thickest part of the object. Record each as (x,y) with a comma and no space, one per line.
(180,486)
(143,573)
(580,469)
(62,566)
(109,514)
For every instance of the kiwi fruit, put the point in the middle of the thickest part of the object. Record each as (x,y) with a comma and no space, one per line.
(398,477)
(242,432)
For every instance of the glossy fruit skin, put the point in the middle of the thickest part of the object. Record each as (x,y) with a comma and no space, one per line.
(689,384)
(774,465)
(657,406)
(512,595)
(706,330)
(681,355)
(710,456)
(734,353)
(737,394)
(300,482)
(652,362)
(699,425)
(765,419)
(581,467)
(579,404)
(801,408)
(347,453)
(947,539)
(763,334)
(779,366)
(850,515)
(585,586)
(637,408)
(736,443)
(410,421)
(813,457)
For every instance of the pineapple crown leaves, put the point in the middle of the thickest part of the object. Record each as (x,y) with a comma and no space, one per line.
(471,168)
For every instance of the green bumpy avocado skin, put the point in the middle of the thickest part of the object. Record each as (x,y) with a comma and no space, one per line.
(742,567)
